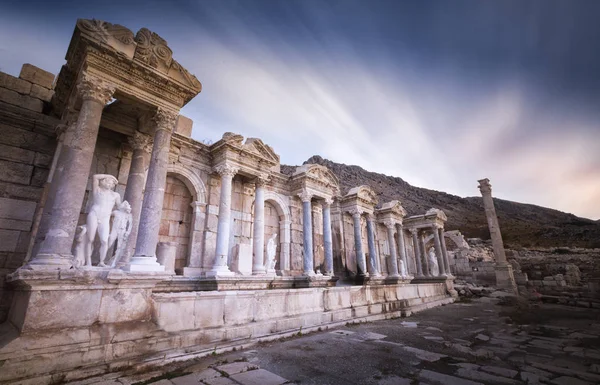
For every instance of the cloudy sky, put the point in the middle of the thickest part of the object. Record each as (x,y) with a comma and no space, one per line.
(439,93)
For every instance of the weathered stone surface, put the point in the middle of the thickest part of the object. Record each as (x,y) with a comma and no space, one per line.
(184,126)
(8,240)
(259,377)
(41,93)
(17,209)
(16,154)
(37,76)
(15,84)
(444,379)
(25,101)
(564,380)
(15,172)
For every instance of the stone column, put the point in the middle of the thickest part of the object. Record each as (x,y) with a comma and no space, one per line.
(445,251)
(402,246)
(360,255)
(504,274)
(307,233)
(71,176)
(327,238)
(390,225)
(371,243)
(220,267)
(154,194)
(284,256)
(438,250)
(194,266)
(142,147)
(417,252)
(425,255)
(258,265)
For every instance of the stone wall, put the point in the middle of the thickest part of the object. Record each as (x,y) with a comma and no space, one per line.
(176,220)
(26,149)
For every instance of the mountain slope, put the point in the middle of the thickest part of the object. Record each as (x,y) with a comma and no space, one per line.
(521,224)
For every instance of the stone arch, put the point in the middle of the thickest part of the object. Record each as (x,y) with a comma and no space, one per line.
(190,179)
(282,206)
(455,236)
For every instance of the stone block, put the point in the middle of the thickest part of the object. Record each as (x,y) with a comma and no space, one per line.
(16,154)
(37,76)
(25,101)
(17,137)
(41,93)
(184,126)
(17,209)
(238,308)
(42,160)
(9,240)
(15,172)
(208,310)
(258,377)
(39,177)
(13,224)
(14,84)
(125,305)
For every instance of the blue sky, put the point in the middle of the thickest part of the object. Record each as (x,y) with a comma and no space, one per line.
(439,93)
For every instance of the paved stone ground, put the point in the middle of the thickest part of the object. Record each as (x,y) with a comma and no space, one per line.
(478,342)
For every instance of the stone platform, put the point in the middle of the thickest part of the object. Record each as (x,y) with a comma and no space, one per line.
(76,324)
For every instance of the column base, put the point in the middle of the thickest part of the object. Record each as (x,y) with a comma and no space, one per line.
(505,278)
(220,271)
(141,263)
(309,273)
(259,270)
(193,272)
(50,262)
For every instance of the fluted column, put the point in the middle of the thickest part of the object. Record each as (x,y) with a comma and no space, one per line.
(307,233)
(71,175)
(258,265)
(154,194)
(371,243)
(402,246)
(390,225)
(438,250)
(444,251)
(360,255)
(142,147)
(220,267)
(417,252)
(425,255)
(327,238)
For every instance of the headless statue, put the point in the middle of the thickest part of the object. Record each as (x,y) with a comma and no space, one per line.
(121,228)
(402,269)
(103,199)
(271,251)
(80,245)
(433,263)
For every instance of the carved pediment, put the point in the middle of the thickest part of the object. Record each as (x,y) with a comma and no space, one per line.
(395,207)
(258,147)
(365,193)
(153,50)
(233,139)
(438,213)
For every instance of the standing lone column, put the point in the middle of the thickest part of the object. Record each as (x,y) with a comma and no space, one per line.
(371,243)
(438,250)
(154,194)
(504,273)
(327,239)
(258,266)
(402,246)
(425,255)
(445,251)
(220,267)
(417,252)
(392,243)
(71,175)
(307,233)
(142,147)
(360,255)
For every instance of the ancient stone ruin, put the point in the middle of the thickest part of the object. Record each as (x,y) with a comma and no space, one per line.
(125,243)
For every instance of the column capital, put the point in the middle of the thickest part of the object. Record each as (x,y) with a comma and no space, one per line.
(262,179)
(436,226)
(327,202)
(400,225)
(355,212)
(226,170)
(164,119)
(140,141)
(414,232)
(93,88)
(389,224)
(484,186)
(305,196)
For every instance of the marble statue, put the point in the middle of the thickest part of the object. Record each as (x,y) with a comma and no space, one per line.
(80,246)
(402,269)
(103,199)
(271,251)
(433,263)
(121,228)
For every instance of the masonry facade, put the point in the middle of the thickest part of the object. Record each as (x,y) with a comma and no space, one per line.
(222,247)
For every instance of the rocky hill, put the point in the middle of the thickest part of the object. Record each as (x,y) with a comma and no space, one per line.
(522,225)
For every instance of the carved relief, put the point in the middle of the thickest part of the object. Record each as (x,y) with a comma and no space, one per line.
(140,141)
(104,30)
(153,50)
(165,119)
(226,170)
(93,88)
(305,196)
